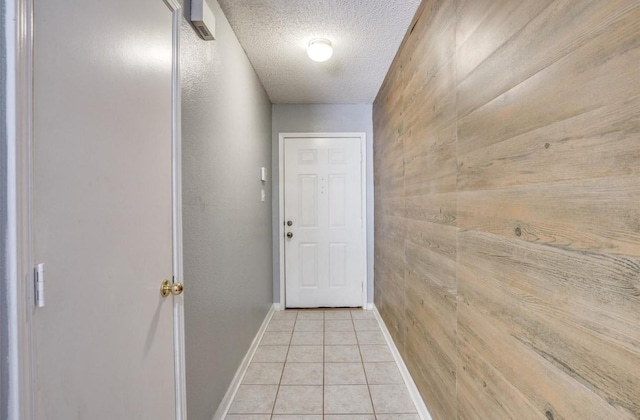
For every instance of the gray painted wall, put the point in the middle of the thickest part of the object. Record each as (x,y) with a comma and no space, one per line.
(290,118)
(226,125)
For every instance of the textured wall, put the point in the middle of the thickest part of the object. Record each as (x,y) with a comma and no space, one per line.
(507,142)
(226,122)
(336,118)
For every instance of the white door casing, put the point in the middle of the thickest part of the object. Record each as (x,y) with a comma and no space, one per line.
(103,210)
(325,258)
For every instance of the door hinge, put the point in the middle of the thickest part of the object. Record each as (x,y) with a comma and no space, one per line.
(38,280)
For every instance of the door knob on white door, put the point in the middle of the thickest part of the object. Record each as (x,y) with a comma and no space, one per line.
(289,235)
(171,288)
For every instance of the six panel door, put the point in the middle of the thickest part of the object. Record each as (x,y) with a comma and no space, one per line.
(324,243)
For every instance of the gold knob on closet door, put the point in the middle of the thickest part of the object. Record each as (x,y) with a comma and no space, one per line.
(171,288)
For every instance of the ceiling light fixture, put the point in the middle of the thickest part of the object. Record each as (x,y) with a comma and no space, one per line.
(320,49)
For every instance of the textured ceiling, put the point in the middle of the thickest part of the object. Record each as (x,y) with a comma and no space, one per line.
(365,34)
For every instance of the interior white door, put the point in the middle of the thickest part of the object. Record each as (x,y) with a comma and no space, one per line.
(324,227)
(102,209)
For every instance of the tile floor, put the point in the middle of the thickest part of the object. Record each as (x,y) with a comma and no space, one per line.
(323,364)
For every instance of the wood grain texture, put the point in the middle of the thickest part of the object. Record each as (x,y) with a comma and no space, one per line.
(415,142)
(507,182)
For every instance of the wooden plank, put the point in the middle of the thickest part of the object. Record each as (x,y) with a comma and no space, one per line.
(434,208)
(406,46)
(431,344)
(595,215)
(587,30)
(432,46)
(589,78)
(552,392)
(392,206)
(481,387)
(485,25)
(604,142)
(437,239)
(575,313)
(433,129)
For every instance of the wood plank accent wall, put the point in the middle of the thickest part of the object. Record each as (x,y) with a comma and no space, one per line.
(507,207)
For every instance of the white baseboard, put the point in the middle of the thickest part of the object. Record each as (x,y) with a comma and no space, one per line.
(224,406)
(423,412)
(278,307)
(368,307)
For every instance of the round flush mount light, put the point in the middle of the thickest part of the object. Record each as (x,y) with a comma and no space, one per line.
(320,49)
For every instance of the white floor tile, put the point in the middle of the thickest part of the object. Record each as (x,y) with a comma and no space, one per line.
(263,374)
(337,354)
(383,373)
(270,354)
(275,338)
(338,325)
(309,325)
(376,353)
(337,314)
(305,354)
(361,314)
(391,399)
(254,399)
(299,400)
(366,325)
(347,399)
(370,337)
(310,315)
(344,374)
(281,325)
(302,374)
(332,338)
(288,314)
(307,338)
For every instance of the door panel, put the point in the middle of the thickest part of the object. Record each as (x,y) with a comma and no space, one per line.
(324,259)
(103,344)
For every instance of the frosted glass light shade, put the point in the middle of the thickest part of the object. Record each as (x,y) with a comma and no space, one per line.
(320,50)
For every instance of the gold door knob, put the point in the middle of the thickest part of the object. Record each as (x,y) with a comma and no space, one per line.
(171,288)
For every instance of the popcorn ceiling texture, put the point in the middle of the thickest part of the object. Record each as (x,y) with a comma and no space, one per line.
(365,35)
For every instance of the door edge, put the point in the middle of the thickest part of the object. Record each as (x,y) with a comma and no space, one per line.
(17,382)
(180,387)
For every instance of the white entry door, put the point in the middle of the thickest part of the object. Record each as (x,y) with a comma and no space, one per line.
(102,210)
(324,227)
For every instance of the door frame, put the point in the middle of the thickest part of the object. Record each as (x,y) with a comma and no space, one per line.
(18,387)
(17,395)
(281,221)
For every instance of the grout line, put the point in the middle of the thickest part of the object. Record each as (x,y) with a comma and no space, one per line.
(366,378)
(273,409)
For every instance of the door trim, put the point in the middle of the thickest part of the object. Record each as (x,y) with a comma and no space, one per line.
(363,181)
(17,391)
(176,213)
(19,386)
